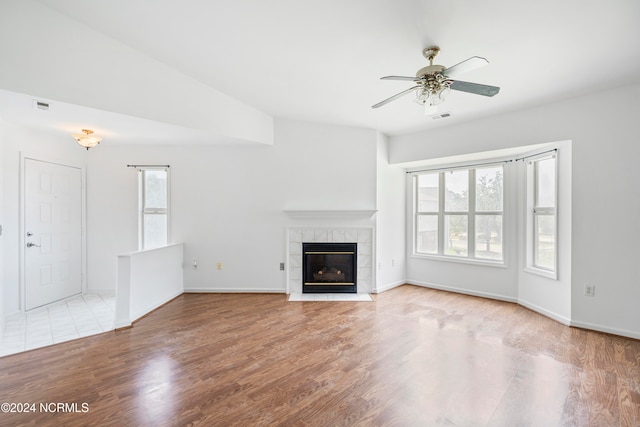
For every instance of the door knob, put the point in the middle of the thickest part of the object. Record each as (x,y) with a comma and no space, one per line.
(29,234)
(30,245)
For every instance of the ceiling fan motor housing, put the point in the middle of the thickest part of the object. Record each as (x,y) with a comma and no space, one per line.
(429,69)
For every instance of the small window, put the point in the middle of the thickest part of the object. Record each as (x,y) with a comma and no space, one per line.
(154,207)
(542,218)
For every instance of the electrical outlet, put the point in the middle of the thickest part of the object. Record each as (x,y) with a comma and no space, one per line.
(589,290)
(282,266)
(195,264)
(219,266)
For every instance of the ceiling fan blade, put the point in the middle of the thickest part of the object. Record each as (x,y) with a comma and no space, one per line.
(475,88)
(464,66)
(403,78)
(396,96)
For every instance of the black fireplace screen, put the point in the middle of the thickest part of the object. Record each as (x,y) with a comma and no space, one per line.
(329,267)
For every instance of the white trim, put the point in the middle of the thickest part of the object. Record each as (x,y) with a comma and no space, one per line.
(530,215)
(330,297)
(388,287)
(605,329)
(461,260)
(142,211)
(463,291)
(150,249)
(21,226)
(103,292)
(547,313)
(124,323)
(471,213)
(541,272)
(235,290)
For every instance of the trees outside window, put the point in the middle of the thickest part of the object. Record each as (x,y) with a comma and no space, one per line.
(459,213)
(541,218)
(153,204)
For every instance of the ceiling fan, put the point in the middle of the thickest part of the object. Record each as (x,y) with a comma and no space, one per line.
(434,82)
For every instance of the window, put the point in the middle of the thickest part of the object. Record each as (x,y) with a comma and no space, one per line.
(541,208)
(459,213)
(154,207)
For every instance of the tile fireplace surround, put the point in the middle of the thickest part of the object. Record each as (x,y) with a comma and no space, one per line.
(363,236)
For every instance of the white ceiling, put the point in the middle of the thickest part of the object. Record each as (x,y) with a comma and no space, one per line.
(321,61)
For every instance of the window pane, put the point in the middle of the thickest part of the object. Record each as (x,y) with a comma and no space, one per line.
(455,231)
(427,237)
(545,247)
(489,189)
(428,194)
(546,183)
(456,198)
(489,236)
(155,230)
(155,195)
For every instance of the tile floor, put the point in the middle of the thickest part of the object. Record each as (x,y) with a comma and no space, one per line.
(76,317)
(329,297)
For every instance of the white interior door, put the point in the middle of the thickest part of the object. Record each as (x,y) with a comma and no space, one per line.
(53,228)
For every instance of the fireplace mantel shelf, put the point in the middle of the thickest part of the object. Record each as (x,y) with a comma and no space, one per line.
(330,214)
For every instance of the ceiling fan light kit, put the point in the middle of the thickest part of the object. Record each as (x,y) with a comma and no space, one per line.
(434,82)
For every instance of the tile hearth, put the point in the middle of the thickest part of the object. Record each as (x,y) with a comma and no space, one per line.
(330,297)
(363,236)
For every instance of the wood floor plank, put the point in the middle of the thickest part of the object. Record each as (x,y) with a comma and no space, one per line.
(412,357)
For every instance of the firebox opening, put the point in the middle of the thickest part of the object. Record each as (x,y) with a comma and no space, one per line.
(329,267)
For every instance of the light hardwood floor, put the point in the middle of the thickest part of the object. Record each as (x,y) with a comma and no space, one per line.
(413,357)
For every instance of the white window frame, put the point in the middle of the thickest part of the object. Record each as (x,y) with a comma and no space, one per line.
(143,210)
(533,211)
(471,214)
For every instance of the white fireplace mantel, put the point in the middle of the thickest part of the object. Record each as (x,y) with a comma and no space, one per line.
(330,214)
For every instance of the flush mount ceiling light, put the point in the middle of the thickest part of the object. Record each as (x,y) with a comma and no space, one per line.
(86,140)
(434,82)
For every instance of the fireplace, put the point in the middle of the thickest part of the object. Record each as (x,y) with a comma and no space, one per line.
(329,267)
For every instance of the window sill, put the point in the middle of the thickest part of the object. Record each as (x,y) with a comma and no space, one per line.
(477,262)
(553,275)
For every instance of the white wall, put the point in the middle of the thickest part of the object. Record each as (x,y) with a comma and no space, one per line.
(2,239)
(146,280)
(227,202)
(551,297)
(482,280)
(390,220)
(604,130)
(45,146)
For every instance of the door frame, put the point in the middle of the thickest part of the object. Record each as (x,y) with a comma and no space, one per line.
(22,238)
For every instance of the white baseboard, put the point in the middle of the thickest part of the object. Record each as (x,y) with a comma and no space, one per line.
(148,309)
(384,288)
(235,290)
(463,291)
(129,320)
(547,313)
(100,291)
(605,329)
(542,311)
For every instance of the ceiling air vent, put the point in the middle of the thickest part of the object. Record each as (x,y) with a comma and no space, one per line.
(40,105)
(441,116)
